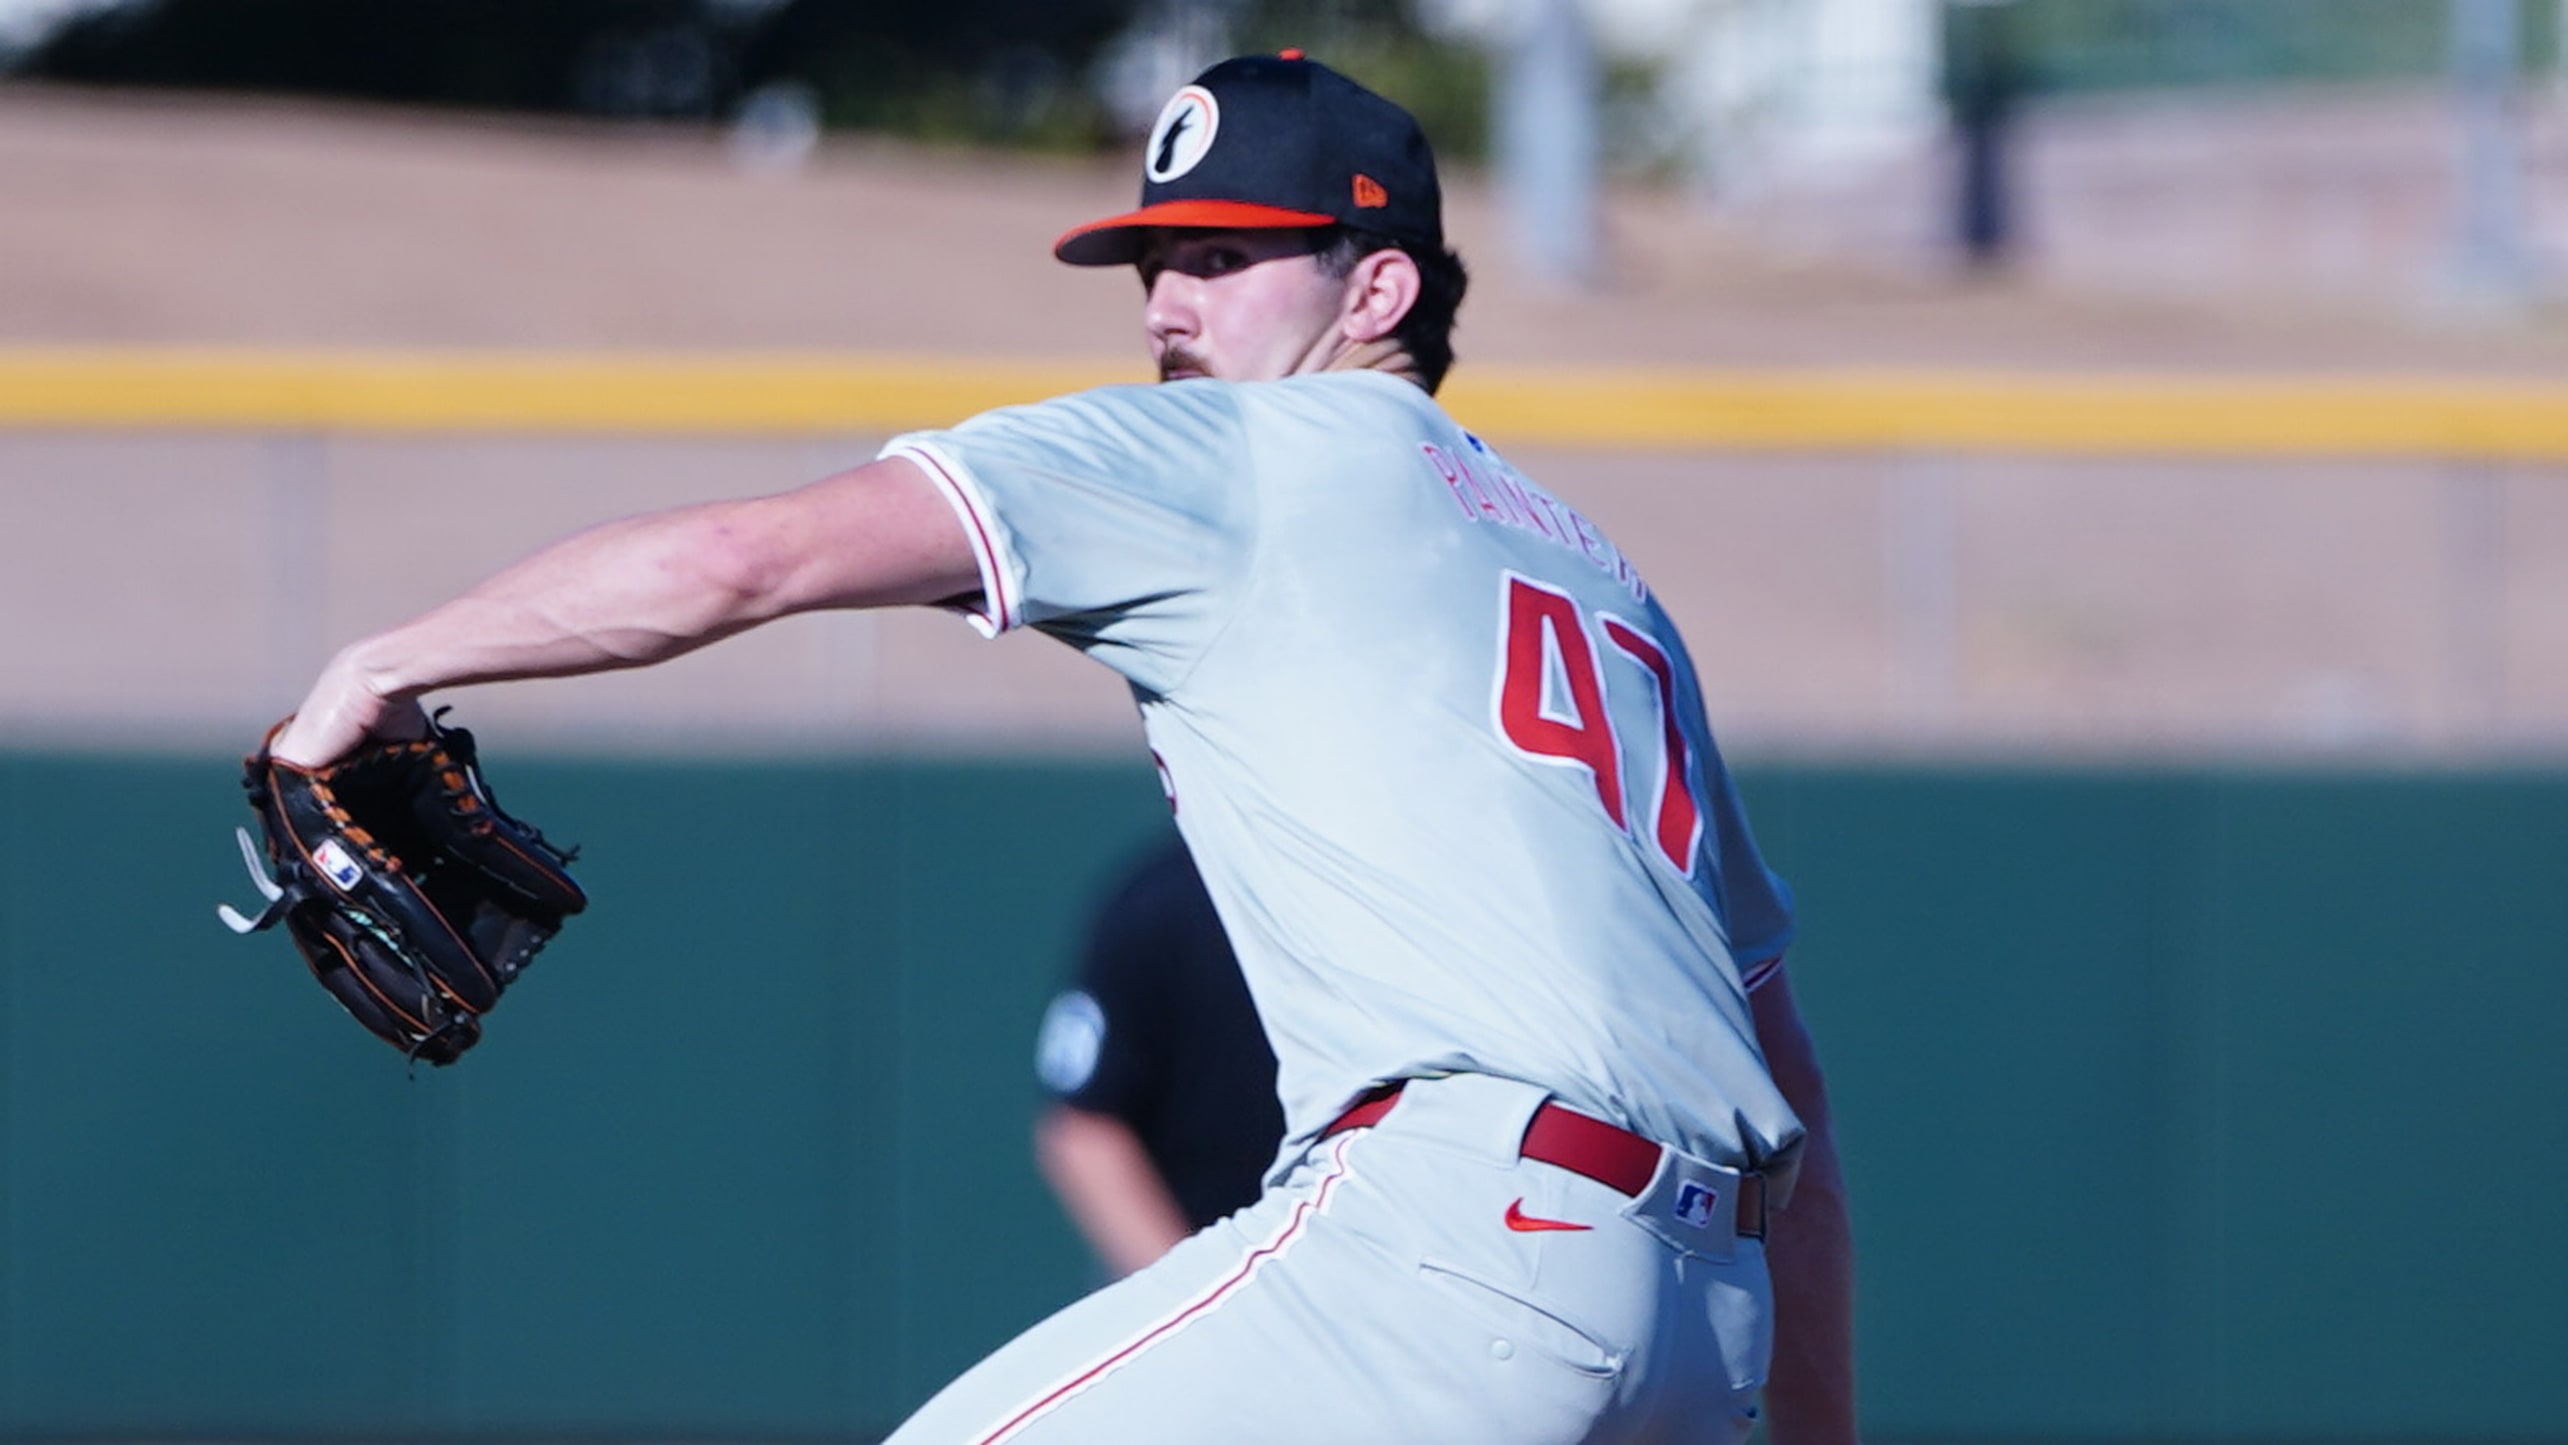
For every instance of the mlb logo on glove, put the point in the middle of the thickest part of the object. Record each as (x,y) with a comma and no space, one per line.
(336,865)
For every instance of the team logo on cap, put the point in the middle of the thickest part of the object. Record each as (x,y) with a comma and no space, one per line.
(1183,132)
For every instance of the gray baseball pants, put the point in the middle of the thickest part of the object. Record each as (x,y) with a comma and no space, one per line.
(1410,1283)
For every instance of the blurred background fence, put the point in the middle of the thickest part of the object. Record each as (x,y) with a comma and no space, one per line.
(2178,1101)
(2110,458)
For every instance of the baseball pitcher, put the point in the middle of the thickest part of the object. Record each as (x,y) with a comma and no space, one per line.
(1557,1163)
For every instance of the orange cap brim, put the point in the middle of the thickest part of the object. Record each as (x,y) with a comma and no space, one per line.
(1116,240)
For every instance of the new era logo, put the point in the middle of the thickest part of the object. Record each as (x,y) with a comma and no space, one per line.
(1369,195)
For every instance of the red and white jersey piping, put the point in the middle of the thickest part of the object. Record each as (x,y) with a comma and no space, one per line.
(1002,608)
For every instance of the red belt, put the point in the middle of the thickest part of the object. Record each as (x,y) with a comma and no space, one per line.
(1616,1158)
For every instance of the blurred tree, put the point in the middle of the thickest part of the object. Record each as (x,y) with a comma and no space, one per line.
(1006,70)
(976,69)
(615,57)
(1024,72)
(2086,45)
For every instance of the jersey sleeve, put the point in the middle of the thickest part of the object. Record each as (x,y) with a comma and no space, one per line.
(1110,518)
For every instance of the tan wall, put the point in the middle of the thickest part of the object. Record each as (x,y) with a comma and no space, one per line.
(184,587)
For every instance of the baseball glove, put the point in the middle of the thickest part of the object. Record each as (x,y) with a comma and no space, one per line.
(413,897)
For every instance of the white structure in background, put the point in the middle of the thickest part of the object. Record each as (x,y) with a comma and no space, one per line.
(1750,89)
(1766,88)
(1546,139)
(1750,93)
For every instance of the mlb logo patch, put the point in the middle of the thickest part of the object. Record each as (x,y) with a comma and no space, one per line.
(336,865)
(1694,1204)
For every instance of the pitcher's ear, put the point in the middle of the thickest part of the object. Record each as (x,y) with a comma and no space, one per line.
(1380,289)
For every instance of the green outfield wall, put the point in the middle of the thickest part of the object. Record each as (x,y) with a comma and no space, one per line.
(2180,1103)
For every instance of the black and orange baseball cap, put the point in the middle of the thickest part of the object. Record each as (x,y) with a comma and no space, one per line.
(1266,142)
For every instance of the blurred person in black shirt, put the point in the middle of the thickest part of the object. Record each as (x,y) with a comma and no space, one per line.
(1163,1115)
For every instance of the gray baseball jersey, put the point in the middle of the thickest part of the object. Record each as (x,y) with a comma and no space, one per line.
(1439,753)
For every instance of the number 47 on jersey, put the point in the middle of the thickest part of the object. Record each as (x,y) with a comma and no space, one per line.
(1551,706)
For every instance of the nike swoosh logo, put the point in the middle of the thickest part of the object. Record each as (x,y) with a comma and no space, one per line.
(1523,1223)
